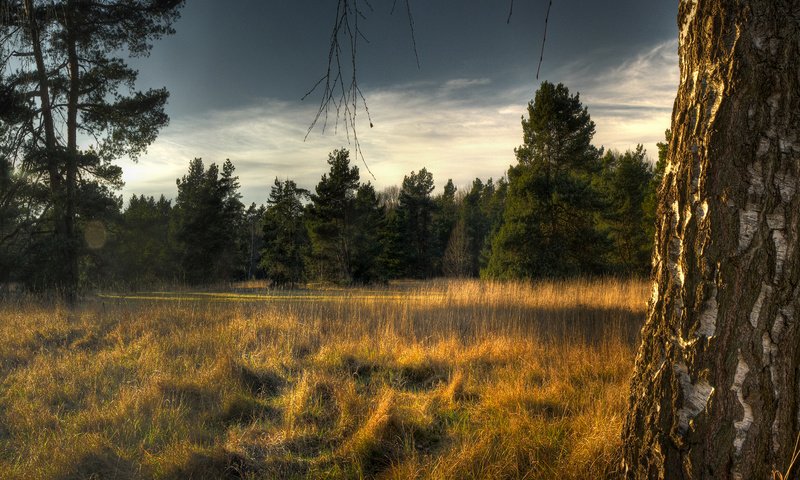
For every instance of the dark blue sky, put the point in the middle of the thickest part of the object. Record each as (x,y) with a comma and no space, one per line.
(237,69)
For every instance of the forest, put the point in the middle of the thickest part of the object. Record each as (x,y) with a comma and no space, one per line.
(565,209)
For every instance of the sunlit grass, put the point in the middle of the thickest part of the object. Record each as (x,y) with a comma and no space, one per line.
(413,380)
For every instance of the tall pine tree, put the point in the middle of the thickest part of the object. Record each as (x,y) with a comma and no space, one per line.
(71,83)
(549,220)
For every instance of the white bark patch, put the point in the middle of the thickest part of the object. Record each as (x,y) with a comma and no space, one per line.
(654,294)
(695,396)
(687,216)
(676,216)
(679,274)
(687,21)
(755,313)
(743,425)
(781,247)
(769,354)
(717,94)
(755,175)
(676,248)
(786,184)
(748,225)
(708,316)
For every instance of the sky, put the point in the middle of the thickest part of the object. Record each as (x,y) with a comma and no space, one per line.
(237,70)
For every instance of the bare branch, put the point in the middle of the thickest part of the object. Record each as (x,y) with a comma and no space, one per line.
(544,38)
(340,93)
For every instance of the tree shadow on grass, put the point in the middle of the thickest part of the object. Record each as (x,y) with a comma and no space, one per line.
(102,463)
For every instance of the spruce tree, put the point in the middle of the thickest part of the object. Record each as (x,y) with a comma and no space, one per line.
(286,243)
(209,217)
(415,216)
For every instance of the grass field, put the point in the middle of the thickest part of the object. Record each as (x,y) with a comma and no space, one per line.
(438,380)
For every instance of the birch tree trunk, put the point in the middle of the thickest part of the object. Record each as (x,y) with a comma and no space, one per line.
(716,393)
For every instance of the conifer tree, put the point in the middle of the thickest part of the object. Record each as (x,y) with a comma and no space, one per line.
(208,216)
(286,243)
(549,226)
(71,83)
(626,182)
(415,216)
(145,251)
(369,239)
(331,219)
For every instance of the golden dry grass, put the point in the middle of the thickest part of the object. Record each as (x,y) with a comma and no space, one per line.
(438,380)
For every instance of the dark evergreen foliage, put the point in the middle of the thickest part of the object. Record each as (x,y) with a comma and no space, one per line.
(345,221)
(369,239)
(285,239)
(75,84)
(415,222)
(145,248)
(208,217)
(626,183)
(565,209)
(549,223)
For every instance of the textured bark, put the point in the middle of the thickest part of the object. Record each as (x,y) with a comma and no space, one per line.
(716,393)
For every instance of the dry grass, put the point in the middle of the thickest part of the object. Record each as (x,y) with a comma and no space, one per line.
(419,380)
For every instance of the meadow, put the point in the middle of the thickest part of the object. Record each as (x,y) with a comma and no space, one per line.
(442,379)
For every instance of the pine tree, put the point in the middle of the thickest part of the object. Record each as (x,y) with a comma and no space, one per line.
(626,182)
(369,241)
(73,85)
(549,226)
(444,220)
(145,251)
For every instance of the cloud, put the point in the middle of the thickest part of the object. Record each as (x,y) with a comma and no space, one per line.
(459,83)
(459,129)
(630,103)
(413,128)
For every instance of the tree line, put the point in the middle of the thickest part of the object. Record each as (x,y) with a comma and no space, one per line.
(565,208)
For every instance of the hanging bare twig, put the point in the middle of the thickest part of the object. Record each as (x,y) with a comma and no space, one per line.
(411,29)
(341,95)
(544,39)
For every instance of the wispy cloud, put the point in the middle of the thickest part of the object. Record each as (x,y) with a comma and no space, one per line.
(630,103)
(459,83)
(458,138)
(459,129)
